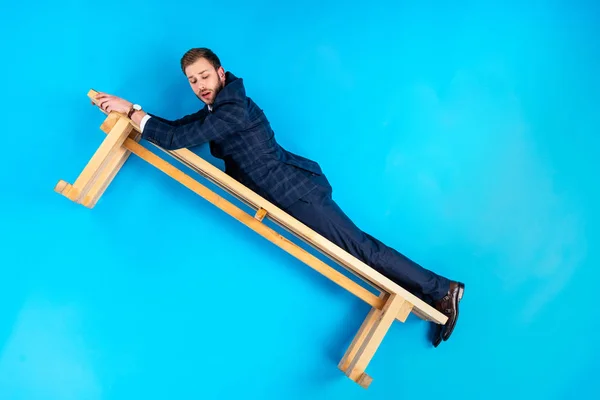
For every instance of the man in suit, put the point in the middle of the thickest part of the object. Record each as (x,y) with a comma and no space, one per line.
(239,133)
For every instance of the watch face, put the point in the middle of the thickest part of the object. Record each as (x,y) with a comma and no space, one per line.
(137,107)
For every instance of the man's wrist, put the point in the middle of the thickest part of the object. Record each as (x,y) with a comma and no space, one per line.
(137,116)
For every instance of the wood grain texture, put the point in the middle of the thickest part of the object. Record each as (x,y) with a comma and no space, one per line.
(377,329)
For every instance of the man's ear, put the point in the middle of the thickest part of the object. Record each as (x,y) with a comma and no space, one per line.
(221,72)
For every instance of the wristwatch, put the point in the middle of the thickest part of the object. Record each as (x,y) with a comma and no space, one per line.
(135,107)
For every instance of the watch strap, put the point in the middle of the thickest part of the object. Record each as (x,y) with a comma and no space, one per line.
(134,108)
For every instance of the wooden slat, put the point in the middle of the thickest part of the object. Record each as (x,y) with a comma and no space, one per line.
(260,214)
(364,380)
(280,217)
(254,224)
(100,170)
(66,189)
(404,311)
(360,337)
(378,328)
(297,228)
(419,314)
(71,193)
(108,173)
(86,179)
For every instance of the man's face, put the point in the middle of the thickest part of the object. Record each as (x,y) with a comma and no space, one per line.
(204,80)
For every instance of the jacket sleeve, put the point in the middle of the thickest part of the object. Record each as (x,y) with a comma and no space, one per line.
(199,115)
(227,118)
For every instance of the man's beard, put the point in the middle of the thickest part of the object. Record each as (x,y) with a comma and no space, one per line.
(215,91)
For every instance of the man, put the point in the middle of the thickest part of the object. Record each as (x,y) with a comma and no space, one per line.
(239,133)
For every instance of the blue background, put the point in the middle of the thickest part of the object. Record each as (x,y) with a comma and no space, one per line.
(464,135)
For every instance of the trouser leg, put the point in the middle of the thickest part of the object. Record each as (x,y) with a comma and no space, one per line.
(318,211)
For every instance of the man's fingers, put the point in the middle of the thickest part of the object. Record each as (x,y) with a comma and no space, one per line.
(105,101)
(106,104)
(103,96)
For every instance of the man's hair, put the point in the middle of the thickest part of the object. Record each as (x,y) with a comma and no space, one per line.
(193,55)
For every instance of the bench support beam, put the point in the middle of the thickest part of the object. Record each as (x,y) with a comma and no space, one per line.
(369,337)
(102,167)
(360,336)
(260,214)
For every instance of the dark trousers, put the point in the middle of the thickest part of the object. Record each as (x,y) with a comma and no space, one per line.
(318,211)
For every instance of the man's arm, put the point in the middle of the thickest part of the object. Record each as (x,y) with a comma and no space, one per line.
(200,114)
(110,103)
(195,129)
(189,131)
(138,116)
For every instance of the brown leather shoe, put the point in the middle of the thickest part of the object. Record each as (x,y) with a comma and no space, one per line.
(437,337)
(448,305)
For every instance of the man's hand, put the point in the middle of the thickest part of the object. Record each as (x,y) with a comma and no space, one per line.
(110,103)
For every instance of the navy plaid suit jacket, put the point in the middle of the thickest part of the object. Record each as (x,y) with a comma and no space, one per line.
(239,133)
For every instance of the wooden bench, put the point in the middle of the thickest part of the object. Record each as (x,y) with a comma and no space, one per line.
(392,302)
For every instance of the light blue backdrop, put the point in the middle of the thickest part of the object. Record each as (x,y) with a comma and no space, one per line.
(464,135)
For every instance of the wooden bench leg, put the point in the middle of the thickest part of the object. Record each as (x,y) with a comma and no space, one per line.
(106,160)
(369,337)
(113,165)
(404,311)
(361,335)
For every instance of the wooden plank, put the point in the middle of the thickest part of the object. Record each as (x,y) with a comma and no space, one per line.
(361,335)
(364,380)
(110,121)
(254,224)
(71,193)
(404,311)
(66,189)
(86,179)
(292,225)
(104,165)
(377,331)
(108,173)
(419,314)
(308,235)
(260,214)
